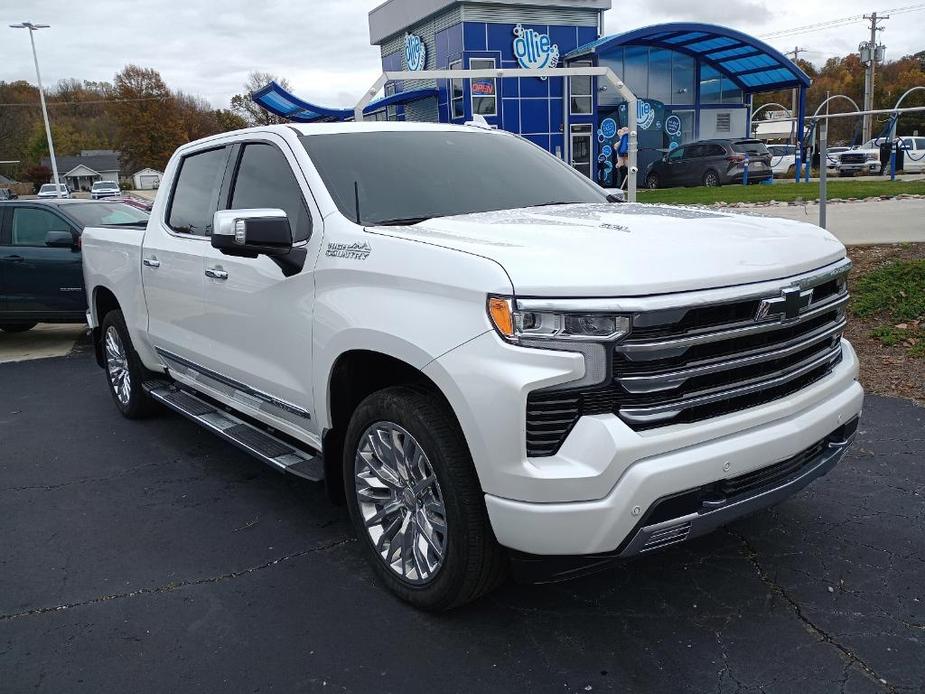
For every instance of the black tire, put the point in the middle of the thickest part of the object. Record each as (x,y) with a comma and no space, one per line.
(473,563)
(711,179)
(132,401)
(17,327)
(652,181)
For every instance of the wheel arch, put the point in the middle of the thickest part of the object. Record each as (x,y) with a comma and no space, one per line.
(354,375)
(102,302)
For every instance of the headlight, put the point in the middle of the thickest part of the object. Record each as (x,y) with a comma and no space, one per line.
(873,157)
(516,325)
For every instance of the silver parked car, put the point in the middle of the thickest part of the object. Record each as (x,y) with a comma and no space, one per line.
(49,190)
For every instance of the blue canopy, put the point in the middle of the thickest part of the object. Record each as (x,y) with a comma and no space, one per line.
(752,64)
(279,101)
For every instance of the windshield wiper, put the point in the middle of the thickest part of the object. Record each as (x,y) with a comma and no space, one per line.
(553,202)
(400,221)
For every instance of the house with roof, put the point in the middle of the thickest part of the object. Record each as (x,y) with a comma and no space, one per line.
(81,171)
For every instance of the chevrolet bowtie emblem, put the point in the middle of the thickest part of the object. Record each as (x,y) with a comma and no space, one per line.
(786,307)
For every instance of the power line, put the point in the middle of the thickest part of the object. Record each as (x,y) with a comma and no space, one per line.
(832,23)
(98,101)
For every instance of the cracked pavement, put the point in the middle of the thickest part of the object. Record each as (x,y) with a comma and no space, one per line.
(150,556)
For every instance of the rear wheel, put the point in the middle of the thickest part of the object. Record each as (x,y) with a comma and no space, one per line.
(416,503)
(17,327)
(711,179)
(124,369)
(652,181)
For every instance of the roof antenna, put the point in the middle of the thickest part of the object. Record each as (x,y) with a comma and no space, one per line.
(356,199)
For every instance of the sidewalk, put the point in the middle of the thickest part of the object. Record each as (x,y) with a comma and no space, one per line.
(857,223)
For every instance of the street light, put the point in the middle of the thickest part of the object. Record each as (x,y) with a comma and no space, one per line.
(38,76)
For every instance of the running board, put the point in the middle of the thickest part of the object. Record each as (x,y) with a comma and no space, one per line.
(268,448)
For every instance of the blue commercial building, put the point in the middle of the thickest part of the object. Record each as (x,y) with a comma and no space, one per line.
(694,81)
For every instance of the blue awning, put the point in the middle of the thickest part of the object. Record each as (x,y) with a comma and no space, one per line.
(752,64)
(282,103)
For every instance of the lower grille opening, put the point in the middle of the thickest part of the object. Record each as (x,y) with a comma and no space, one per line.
(732,489)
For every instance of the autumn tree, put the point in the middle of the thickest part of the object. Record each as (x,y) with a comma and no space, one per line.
(148,118)
(244,106)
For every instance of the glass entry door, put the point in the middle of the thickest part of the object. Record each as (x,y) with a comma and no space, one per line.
(580,148)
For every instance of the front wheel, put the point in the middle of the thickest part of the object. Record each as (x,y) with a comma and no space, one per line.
(124,369)
(17,327)
(711,179)
(415,500)
(652,181)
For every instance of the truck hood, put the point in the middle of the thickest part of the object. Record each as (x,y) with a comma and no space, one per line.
(586,250)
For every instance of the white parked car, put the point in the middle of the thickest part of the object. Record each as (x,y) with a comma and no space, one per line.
(783,159)
(49,190)
(104,189)
(492,363)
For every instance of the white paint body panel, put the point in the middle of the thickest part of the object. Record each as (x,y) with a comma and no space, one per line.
(419,295)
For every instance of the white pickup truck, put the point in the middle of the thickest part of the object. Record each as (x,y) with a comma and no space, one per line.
(492,363)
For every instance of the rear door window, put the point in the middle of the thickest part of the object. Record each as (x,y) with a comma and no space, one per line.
(195,194)
(265,180)
(750,148)
(31,225)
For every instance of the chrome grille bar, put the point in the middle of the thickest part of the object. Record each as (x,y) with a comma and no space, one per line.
(649,414)
(669,380)
(675,346)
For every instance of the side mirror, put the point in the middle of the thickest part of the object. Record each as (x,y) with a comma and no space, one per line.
(62,239)
(249,233)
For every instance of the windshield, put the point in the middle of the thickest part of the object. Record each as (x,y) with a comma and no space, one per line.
(50,188)
(92,214)
(409,176)
(105,185)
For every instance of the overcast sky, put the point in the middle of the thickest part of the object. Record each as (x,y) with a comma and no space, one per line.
(322,46)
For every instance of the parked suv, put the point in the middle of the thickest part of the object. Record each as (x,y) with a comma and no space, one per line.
(493,365)
(41,277)
(710,163)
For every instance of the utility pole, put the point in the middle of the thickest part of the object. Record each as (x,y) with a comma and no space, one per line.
(794,106)
(38,76)
(871,52)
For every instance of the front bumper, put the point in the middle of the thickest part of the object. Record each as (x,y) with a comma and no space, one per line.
(589,497)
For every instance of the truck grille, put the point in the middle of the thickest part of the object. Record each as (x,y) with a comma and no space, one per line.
(691,363)
(852,158)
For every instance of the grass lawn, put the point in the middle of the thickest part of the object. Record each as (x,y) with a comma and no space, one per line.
(887,317)
(850,188)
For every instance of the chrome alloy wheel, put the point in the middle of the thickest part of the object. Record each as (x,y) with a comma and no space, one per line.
(400,502)
(117,366)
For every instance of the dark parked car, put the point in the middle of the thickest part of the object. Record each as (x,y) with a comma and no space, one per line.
(41,275)
(710,163)
(7,194)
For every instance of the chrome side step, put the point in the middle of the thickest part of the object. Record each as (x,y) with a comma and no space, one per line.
(268,448)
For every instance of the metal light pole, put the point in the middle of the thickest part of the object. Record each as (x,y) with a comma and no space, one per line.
(38,76)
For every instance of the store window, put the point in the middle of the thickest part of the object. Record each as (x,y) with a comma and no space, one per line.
(580,90)
(711,90)
(581,148)
(390,110)
(682,79)
(614,60)
(484,90)
(660,75)
(457,109)
(636,69)
(731,93)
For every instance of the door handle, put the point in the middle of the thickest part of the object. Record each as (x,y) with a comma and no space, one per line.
(13,258)
(216,273)
(151,262)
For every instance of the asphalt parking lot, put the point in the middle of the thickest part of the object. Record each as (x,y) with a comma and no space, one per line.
(151,557)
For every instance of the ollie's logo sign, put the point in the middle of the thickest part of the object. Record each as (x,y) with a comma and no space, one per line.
(533,50)
(415,52)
